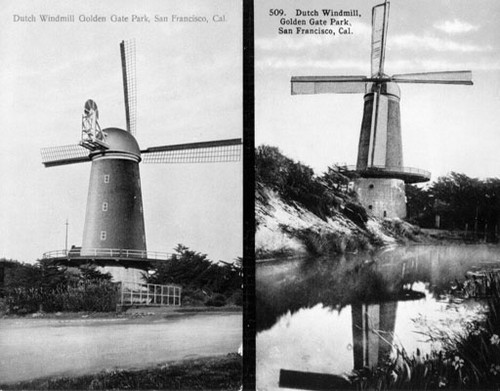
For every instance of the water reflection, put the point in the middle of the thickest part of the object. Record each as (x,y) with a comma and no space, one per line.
(372,332)
(336,315)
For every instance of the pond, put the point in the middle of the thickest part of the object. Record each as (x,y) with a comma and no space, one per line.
(333,315)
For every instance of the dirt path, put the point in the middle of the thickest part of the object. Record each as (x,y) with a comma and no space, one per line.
(33,348)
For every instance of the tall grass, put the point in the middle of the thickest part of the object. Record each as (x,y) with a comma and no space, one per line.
(47,287)
(470,360)
(94,296)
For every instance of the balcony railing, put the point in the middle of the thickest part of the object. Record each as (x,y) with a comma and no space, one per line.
(107,253)
(409,174)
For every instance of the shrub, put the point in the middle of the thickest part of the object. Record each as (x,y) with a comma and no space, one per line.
(197,275)
(50,288)
(217,300)
(297,182)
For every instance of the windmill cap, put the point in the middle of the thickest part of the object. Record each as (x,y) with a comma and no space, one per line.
(386,87)
(120,140)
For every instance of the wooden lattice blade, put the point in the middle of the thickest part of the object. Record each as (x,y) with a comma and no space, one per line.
(64,154)
(302,85)
(449,77)
(127,51)
(380,18)
(201,152)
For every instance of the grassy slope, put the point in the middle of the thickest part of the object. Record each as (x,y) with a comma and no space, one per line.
(210,373)
(286,228)
(299,212)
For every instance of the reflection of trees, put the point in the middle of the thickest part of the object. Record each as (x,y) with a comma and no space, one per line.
(334,284)
(446,269)
(351,279)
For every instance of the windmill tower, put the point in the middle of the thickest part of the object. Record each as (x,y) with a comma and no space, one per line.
(380,175)
(114,233)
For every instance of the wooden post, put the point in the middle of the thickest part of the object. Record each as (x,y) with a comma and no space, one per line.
(312,381)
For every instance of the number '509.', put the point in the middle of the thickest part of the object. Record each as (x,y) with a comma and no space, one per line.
(276,12)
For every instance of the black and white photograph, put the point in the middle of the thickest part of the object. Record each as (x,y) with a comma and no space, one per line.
(377,194)
(121,217)
(250,195)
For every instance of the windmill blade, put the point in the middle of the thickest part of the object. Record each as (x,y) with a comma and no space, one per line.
(65,154)
(449,77)
(202,152)
(380,20)
(127,50)
(302,85)
(374,126)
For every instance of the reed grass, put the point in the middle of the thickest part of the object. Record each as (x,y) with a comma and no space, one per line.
(469,360)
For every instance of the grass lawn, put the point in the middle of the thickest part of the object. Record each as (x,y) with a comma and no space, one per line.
(208,373)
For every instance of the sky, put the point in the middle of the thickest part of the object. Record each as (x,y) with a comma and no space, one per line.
(444,127)
(189,81)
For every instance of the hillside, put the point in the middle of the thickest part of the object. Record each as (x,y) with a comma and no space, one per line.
(299,213)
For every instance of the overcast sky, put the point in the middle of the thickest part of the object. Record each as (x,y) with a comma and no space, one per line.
(189,79)
(444,128)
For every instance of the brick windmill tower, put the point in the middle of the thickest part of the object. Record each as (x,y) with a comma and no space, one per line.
(380,175)
(114,234)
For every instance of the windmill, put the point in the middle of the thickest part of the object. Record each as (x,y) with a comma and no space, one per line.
(114,233)
(379,173)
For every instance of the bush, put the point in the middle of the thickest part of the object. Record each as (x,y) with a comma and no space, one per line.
(297,182)
(50,288)
(198,276)
(217,300)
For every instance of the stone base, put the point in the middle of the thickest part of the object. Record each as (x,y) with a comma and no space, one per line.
(121,274)
(382,197)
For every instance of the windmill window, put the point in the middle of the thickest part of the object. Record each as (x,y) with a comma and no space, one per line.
(103,235)
(106,178)
(104,206)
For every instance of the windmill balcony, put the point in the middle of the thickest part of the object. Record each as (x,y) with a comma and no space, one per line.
(407,174)
(107,257)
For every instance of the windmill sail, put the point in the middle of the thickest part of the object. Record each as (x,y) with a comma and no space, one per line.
(451,77)
(302,85)
(65,154)
(378,130)
(127,50)
(380,18)
(201,152)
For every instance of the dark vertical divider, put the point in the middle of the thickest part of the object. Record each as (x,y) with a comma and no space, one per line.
(248,198)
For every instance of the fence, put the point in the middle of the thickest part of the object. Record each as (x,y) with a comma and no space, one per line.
(149,294)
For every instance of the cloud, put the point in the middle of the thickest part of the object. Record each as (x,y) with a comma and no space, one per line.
(455,27)
(429,42)
(292,43)
(292,62)
(441,64)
